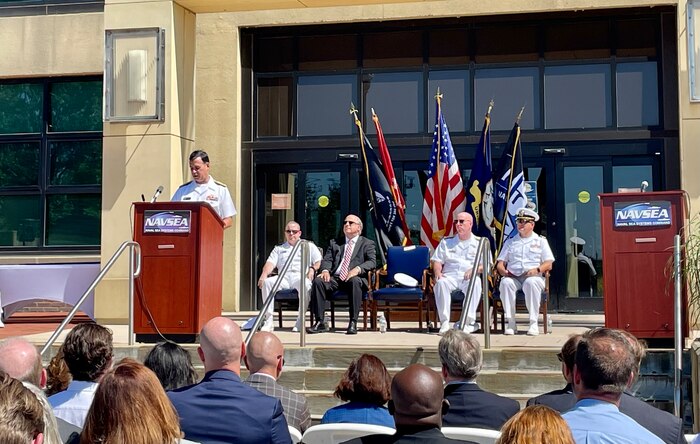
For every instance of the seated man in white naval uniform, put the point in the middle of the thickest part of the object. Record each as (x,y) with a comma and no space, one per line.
(522,262)
(277,259)
(203,188)
(453,262)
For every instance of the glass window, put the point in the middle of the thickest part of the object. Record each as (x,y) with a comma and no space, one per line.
(73,219)
(389,49)
(521,44)
(323,103)
(510,89)
(577,40)
(75,163)
(577,96)
(413,195)
(19,216)
(637,94)
(21,107)
(322,197)
(20,164)
(632,176)
(273,54)
(274,106)
(325,52)
(454,87)
(50,189)
(636,38)
(448,47)
(76,106)
(398,100)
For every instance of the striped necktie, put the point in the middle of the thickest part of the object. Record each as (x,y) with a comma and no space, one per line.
(346,260)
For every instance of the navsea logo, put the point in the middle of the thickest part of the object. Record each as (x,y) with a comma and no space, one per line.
(641,214)
(167,222)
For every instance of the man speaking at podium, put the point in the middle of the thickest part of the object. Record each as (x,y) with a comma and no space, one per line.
(203,188)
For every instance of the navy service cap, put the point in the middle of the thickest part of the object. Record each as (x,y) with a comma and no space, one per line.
(527,214)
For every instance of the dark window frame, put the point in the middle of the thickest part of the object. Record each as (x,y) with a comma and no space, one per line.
(43,189)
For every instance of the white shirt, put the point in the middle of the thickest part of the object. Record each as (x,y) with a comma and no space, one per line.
(72,405)
(455,255)
(349,243)
(281,252)
(212,192)
(525,253)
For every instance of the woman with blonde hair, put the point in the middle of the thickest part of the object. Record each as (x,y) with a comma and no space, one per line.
(536,424)
(130,406)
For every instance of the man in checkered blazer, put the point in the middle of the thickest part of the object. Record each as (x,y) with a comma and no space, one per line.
(265,359)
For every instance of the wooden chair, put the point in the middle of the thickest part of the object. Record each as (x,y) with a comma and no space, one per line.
(520,303)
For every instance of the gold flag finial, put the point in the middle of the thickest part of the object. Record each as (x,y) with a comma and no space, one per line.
(520,114)
(438,96)
(353,110)
(488,112)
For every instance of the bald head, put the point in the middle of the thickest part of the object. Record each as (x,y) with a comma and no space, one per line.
(21,360)
(264,354)
(417,396)
(221,345)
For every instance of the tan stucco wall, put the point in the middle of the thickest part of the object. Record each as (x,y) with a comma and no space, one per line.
(70,44)
(138,157)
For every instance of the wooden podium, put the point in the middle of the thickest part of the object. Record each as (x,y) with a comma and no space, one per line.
(181,269)
(637,238)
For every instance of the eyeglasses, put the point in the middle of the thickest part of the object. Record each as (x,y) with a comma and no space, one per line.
(461,221)
(349,222)
(560,357)
(292,231)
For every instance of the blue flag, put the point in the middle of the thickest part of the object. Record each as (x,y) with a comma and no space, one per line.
(509,189)
(480,187)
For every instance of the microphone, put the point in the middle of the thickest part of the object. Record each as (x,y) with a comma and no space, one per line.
(645,184)
(143,198)
(157,193)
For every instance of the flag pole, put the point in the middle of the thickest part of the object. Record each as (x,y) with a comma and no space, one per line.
(510,179)
(438,97)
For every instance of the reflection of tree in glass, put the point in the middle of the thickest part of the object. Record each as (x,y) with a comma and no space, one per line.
(76,163)
(21,108)
(76,106)
(20,163)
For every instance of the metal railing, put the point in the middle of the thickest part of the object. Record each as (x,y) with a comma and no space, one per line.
(304,245)
(677,330)
(134,272)
(481,257)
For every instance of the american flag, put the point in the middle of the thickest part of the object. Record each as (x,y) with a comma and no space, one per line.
(444,195)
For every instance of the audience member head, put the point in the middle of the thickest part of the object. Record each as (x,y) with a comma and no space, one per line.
(130,406)
(536,424)
(365,380)
(567,356)
(460,355)
(172,365)
(417,397)
(58,376)
(51,435)
(21,415)
(87,351)
(265,354)
(21,360)
(639,348)
(221,345)
(605,365)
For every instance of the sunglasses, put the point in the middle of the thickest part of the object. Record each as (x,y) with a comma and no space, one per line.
(461,221)
(349,222)
(292,231)
(523,221)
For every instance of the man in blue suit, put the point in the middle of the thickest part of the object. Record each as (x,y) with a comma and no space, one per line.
(221,408)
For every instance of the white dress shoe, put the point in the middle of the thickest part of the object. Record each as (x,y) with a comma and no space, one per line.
(444,327)
(534,330)
(268,325)
(510,328)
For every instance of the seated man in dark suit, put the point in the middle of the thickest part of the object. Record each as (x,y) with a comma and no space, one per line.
(221,408)
(265,359)
(344,267)
(662,424)
(470,406)
(417,406)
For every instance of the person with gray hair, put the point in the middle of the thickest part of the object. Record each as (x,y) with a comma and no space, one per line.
(605,365)
(51,435)
(21,415)
(470,406)
(21,360)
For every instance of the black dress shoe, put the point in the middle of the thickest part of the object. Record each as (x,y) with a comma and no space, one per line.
(352,328)
(318,327)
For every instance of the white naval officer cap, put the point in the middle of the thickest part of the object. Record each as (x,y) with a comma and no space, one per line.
(577,240)
(527,214)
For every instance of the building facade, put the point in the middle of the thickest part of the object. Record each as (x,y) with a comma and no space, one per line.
(266,89)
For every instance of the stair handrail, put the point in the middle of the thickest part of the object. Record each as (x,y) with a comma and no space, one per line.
(304,245)
(134,272)
(482,258)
